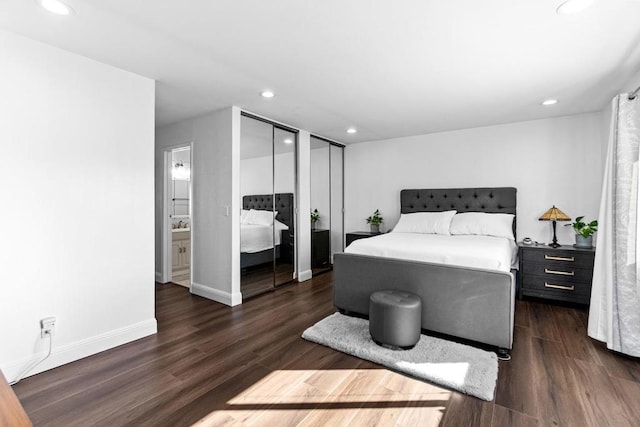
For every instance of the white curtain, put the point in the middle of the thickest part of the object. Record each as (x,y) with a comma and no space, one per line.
(614,315)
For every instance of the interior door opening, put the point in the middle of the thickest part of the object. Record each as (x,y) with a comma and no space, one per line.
(179,216)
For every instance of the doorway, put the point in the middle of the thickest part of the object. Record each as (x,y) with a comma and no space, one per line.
(178,219)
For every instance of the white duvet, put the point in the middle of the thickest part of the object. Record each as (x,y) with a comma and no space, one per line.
(491,253)
(256,238)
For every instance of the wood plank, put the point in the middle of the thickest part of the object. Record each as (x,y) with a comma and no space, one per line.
(12,414)
(521,315)
(543,324)
(515,377)
(617,365)
(572,333)
(554,385)
(504,417)
(589,379)
(629,393)
(467,411)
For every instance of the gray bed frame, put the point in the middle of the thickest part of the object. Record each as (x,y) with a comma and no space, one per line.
(468,303)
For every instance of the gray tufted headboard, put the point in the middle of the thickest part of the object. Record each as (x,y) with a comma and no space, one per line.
(489,200)
(264,202)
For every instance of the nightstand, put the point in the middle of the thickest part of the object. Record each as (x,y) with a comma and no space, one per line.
(355,235)
(562,274)
(320,248)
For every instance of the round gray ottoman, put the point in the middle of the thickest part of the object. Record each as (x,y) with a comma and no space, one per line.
(395,318)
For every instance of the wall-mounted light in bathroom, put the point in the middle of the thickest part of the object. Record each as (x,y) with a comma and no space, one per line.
(180,171)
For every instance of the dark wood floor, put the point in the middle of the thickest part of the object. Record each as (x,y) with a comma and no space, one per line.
(259,279)
(247,365)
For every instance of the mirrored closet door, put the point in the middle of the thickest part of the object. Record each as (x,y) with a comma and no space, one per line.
(327,227)
(267,220)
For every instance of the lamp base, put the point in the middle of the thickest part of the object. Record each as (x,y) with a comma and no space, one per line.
(554,244)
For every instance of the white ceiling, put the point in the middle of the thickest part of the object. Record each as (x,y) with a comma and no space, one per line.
(388,68)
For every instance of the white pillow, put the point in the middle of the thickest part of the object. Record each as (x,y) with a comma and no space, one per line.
(279,226)
(425,222)
(483,224)
(257,217)
(244,216)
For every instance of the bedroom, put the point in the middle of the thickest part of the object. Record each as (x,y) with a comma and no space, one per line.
(411,140)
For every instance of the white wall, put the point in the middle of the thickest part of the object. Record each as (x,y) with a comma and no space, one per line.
(256,174)
(552,161)
(215,190)
(321,185)
(77,208)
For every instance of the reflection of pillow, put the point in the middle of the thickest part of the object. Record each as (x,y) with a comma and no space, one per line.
(425,222)
(244,216)
(279,226)
(483,224)
(261,217)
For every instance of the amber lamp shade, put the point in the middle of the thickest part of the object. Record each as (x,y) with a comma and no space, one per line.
(554,214)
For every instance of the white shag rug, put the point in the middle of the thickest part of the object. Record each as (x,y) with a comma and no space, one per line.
(455,366)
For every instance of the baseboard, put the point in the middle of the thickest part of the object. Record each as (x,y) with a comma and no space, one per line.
(61,355)
(305,275)
(226,298)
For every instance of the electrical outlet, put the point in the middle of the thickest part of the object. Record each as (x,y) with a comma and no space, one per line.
(47,326)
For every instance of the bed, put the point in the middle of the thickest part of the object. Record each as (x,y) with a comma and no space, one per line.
(258,242)
(474,303)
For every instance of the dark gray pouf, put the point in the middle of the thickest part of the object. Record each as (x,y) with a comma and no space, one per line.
(395,318)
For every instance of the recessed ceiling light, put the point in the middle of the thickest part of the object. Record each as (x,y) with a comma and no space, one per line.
(56,6)
(288,141)
(570,7)
(352,130)
(549,102)
(267,94)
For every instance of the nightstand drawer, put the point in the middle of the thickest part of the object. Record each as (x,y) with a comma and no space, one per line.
(555,271)
(559,257)
(558,290)
(556,285)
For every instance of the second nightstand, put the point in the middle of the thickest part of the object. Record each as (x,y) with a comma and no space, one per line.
(355,235)
(563,273)
(320,256)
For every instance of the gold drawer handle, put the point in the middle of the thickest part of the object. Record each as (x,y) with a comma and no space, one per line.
(566,288)
(562,273)
(559,258)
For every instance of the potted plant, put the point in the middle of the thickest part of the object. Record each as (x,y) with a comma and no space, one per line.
(374,221)
(584,232)
(315,217)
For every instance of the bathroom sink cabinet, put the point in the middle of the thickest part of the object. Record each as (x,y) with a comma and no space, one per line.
(181,252)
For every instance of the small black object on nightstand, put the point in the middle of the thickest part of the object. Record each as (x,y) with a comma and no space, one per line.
(355,235)
(562,274)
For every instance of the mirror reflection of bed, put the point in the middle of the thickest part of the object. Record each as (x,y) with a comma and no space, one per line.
(266,244)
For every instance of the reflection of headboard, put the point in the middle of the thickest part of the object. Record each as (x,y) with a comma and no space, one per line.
(264,202)
(490,200)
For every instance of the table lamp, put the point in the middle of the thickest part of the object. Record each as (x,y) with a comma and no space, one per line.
(554,214)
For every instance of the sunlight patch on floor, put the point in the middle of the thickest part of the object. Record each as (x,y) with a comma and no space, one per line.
(334,397)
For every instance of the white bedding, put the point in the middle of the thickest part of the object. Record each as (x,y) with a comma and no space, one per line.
(256,238)
(491,253)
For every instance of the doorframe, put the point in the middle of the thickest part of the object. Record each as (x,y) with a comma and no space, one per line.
(167,239)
